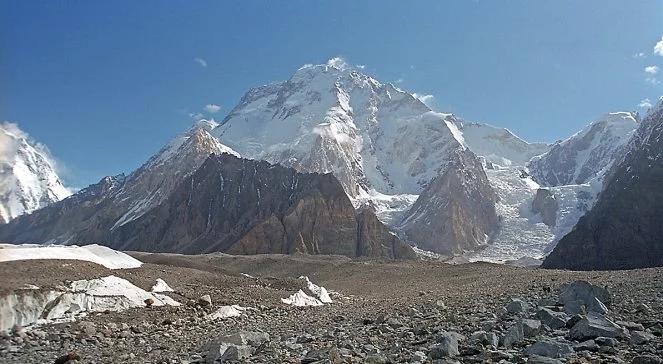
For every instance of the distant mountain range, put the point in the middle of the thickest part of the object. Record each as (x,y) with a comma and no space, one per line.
(332,161)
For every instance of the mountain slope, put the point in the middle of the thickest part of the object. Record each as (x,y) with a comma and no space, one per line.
(623,230)
(242,206)
(28,180)
(89,215)
(498,145)
(587,154)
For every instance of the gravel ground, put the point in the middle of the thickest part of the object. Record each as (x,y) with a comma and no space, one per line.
(382,312)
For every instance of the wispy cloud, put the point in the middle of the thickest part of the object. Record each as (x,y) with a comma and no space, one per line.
(658,48)
(645,104)
(426,99)
(652,80)
(212,108)
(201,62)
(652,70)
(196,116)
(639,55)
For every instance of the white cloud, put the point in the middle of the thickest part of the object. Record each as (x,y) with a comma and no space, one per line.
(652,70)
(201,62)
(652,80)
(658,48)
(400,80)
(338,63)
(361,66)
(212,109)
(639,55)
(645,104)
(426,99)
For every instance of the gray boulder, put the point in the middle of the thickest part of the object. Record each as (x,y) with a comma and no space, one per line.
(593,326)
(641,337)
(485,338)
(447,346)
(581,293)
(550,349)
(516,306)
(513,335)
(552,319)
(531,328)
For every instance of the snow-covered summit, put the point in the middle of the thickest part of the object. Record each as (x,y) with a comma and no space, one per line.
(374,137)
(587,154)
(28,179)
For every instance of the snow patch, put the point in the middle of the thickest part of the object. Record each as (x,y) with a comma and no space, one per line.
(161,286)
(318,291)
(301,299)
(94,253)
(111,293)
(228,311)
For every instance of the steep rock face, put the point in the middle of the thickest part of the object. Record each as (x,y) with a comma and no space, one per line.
(90,215)
(456,212)
(623,230)
(243,206)
(28,180)
(587,154)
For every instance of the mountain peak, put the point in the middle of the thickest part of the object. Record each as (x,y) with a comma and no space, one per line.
(27,174)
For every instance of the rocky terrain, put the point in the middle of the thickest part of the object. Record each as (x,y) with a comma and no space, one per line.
(382,312)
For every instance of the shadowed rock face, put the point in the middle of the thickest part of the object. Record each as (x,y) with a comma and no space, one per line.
(237,206)
(624,230)
(456,211)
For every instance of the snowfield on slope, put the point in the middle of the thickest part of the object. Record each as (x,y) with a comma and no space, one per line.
(109,258)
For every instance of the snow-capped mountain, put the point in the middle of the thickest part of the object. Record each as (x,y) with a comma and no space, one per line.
(114,201)
(587,154)
(28,180)
(383,144)
(498,145)
(374,137)
(623,230)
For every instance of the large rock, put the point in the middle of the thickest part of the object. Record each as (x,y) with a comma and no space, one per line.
(550,349)
(447,346)
(513,335)
(579,294)
(623,230)
(552,319)
(233,347)
(593,326)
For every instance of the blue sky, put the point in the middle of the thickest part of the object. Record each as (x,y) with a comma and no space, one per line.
(105,84)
